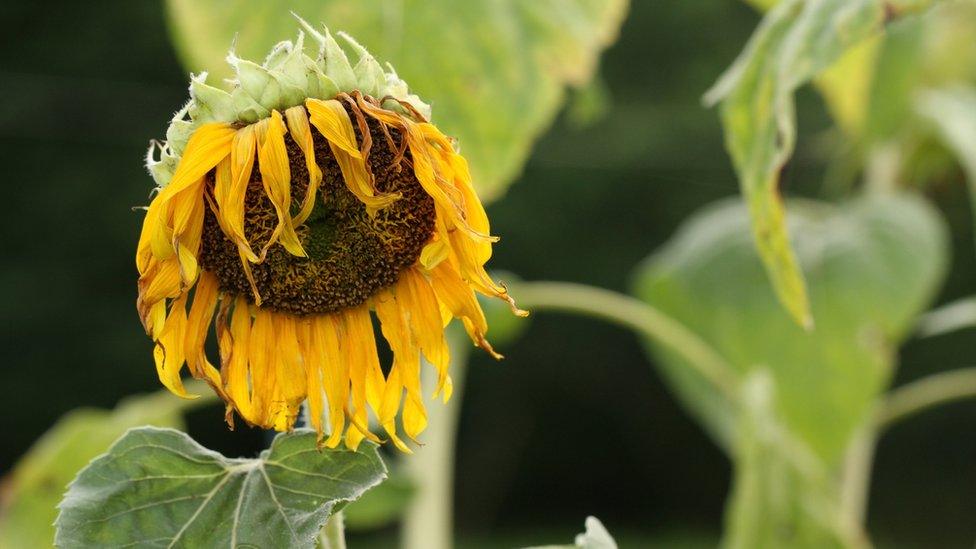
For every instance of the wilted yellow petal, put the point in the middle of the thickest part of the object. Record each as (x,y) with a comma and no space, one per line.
(289,372)
(335,375)
(313,355)
(169,351)
(416,296)
(391,308)
(208,145)
(301,133)
(260,352)
(230,196)
(234,369)
(198,323)
(276,177)
(459,298)
(332,121)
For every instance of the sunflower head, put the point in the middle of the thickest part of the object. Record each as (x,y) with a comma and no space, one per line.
(289,212)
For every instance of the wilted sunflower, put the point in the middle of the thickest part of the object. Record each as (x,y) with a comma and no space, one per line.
(289,209)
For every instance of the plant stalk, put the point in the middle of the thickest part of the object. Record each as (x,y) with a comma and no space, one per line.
(925,393)
(429,520)
(902,403)
(631,313)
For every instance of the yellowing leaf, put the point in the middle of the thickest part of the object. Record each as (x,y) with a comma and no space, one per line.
(796,40)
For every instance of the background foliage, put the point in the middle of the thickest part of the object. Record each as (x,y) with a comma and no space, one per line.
(85,85)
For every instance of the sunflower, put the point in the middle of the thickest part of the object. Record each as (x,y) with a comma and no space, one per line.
(288,213)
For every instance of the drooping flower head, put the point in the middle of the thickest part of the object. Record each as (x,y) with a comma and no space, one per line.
(290,210)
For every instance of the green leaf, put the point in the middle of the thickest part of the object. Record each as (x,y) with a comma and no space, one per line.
(37,482)
(494,71)
(873,265)
(796,40)
(157,487)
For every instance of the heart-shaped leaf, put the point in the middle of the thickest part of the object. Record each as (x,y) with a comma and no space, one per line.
(495,72)
(158,488)
(873,265)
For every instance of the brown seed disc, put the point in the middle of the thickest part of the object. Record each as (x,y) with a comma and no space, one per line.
(351,255)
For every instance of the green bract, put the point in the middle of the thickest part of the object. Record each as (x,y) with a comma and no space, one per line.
(287,78)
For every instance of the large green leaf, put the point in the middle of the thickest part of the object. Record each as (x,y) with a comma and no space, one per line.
(796,40)
(494,71)
(873,265)
(158,488)
(37,483)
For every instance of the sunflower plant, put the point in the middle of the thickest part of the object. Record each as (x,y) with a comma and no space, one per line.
(312,213)
(290,213)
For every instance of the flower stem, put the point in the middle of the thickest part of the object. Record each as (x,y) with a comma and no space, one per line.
(634,314)
(925,393)
(900,404)
(856,475)
(333,536)
(429,520)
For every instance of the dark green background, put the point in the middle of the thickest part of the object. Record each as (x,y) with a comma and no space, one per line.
(575,421)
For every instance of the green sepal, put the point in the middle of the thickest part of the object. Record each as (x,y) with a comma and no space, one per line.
(286,78)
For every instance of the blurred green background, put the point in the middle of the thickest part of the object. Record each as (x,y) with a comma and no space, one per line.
(575,421)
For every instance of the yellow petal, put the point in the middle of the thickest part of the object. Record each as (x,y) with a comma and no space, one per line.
(151,237)
(276,178)
(359,331)
(313,356)
(260,352)
(169,351)
(391,308)
(161,281)
(234,346)
(289,373)
(355,353)
(155,240)
(459,298)
(230,201)
(335,375)
(425,321)
(428,168)
(301,133)
(197,325)
(208,145)
(332,121)
(472,271)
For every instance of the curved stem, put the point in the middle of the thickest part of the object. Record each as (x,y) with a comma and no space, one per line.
(856,475)
(957,315)
(634,314)
(925,393)
(900,404)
